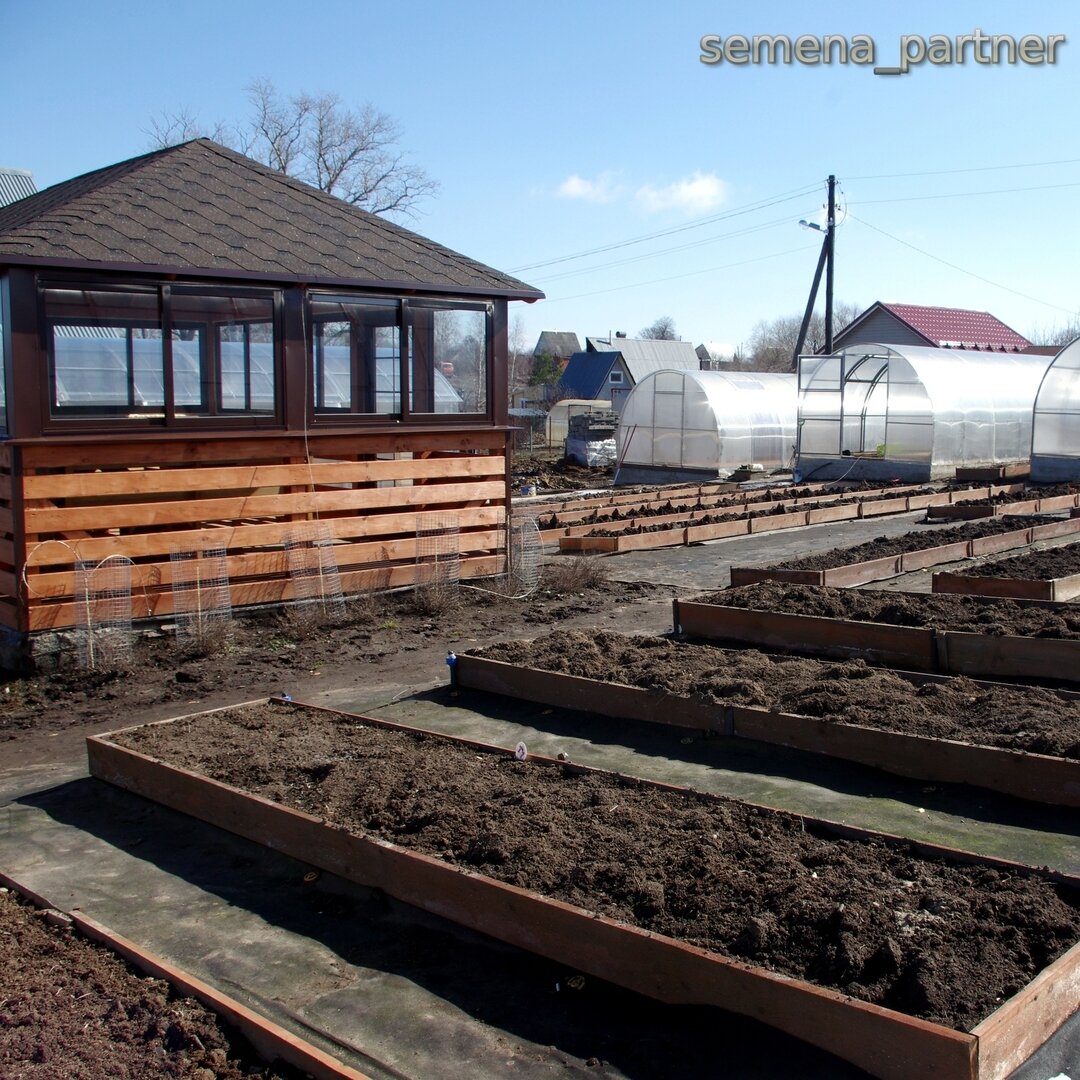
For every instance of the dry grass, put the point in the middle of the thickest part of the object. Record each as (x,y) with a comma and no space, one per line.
(574,574)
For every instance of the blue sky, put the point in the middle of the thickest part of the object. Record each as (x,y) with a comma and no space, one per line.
(562,128)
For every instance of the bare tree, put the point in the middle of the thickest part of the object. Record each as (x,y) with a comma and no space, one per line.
(661,330)
(350,153)
(1058,334)
(518,357)
(772,342)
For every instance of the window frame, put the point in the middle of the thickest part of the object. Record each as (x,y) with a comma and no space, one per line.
(406,306)
(169,415)
(452,304)
(321,414)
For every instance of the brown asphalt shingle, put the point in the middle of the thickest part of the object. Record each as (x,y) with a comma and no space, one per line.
(201,207)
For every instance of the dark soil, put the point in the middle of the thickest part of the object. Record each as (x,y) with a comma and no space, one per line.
(70,1010)
(1057,562)
(1013,718)
(935,535)
(1005,498)
(944,942)
(943,612)
(273,652)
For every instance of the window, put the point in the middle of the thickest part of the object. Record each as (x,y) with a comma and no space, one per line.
(615,377)
(359,367)
(356,352)
(448,358)
(222,353)
(106,351)
(174,354)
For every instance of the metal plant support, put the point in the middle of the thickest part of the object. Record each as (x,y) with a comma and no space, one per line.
(316,580)
(524,548)
(103,614)
(201,599)
(438,553)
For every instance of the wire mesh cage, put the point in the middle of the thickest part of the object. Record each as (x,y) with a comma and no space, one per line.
(524,549)
(313,568)
(103,632)
(201,600)
(438,556)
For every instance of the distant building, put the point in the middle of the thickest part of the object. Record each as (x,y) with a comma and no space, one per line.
(15,184)
(559,344)
(611,367)
(938,327)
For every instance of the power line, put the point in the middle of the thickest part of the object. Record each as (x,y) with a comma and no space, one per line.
(962,270)
(971,169)
(544,279)
(750,208)
(965,194)
(676,277)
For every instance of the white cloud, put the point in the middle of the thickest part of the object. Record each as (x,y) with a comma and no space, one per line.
(601,190)
(696,193)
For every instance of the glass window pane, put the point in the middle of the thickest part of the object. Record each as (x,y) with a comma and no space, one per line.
(357,356)
(223,352)
(106,351)
(448,360)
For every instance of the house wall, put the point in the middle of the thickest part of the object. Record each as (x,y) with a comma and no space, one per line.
(880,327)
(142,494)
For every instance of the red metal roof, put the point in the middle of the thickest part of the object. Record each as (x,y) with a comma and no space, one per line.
(959,329)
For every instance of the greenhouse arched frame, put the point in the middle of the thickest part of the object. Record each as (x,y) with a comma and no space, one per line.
(912,413)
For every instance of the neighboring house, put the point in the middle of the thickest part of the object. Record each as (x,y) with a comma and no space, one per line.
(201,352)
(938,327)
(15,184)
(558,344)
(611,367)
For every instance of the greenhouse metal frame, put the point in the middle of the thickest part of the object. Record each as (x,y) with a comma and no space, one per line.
(692,425)
(880,412)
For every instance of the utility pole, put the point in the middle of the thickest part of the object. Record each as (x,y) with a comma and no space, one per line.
(830,240)
(825,261)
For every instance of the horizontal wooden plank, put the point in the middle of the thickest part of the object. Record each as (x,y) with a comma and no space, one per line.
(252,477)
(270,563)
(58,616)
(196,447)
(150,515)
(239,537)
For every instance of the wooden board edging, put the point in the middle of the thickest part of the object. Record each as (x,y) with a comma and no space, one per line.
(1035,777)
(588,695)
(897,646)
(919,648)
(888,1044)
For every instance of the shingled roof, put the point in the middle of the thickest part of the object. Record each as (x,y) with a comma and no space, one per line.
(201,208)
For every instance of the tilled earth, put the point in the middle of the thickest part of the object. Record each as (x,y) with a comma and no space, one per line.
(948,943)
(933,535)
(942,612)
(70,1010)
(1057,562)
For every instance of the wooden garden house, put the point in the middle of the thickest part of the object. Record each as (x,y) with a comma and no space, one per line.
(200,352)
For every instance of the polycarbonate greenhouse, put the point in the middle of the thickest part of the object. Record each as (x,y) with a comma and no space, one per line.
(1055,433)
(692,425)
(881,412)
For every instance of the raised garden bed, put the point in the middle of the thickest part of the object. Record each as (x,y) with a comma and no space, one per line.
(887,557)
(697,526)
(905,959)
(1048,499)
(950,635)
(1021,741)
(1053,575)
